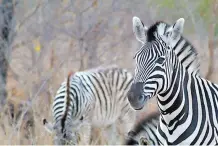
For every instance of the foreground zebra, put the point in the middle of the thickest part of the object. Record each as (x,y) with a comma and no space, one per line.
(95,98)
(187,55)
(187,102)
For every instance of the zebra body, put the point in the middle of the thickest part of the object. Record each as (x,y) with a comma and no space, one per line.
(188,57)
(188,103)
(95,98)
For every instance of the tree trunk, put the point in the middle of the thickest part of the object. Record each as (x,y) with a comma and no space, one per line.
(6,22)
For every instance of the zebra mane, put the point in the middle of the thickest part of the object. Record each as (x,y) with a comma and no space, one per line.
(152,29)
(67,101)
(103,68)
(184,52)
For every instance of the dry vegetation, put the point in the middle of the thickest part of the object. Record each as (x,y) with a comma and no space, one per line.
(55,37)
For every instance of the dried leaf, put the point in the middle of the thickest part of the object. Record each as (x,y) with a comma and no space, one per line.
(95,3)
(65,2)
(37,45)
(216,30)
(116,27)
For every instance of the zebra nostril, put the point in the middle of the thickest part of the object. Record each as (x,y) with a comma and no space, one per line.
(141,97)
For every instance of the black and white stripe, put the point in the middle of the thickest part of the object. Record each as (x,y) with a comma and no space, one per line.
(96,97)
(144,132)
(187,102)
(184,50)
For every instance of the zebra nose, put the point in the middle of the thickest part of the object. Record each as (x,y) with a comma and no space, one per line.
(130,94)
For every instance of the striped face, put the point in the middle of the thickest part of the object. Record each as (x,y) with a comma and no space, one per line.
(146,81)
(149,59)
(146,58)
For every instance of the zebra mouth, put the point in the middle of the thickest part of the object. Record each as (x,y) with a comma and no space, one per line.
(139,108)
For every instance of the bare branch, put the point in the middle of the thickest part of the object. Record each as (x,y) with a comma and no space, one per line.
(211,51)
(29,15)
(86,9)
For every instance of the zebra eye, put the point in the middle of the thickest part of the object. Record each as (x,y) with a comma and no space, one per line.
(81,118)
(144,141)
(168,34)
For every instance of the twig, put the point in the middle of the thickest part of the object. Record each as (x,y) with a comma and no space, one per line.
(29,103)
(27,17)
(211,51)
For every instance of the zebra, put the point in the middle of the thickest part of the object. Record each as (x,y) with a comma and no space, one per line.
(144,132)
(187,102)
(187,55)
(95,97)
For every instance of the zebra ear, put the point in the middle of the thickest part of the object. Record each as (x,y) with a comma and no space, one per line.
(178,26)
(139,29)
(176,29)
(48,126)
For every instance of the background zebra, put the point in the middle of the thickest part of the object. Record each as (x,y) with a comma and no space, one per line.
(187,102)
(187,55)
(144,132)
(97,98)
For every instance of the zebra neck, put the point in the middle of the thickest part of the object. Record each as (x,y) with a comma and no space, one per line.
(170,100)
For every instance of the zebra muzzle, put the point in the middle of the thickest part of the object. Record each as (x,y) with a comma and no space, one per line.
(138,102)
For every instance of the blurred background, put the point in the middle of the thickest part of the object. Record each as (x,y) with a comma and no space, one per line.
(42,40)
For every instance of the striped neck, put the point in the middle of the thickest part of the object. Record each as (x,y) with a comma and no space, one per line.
(171,101)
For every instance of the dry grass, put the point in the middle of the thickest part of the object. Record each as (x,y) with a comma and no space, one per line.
(34,76)
(33,79)
(19,127)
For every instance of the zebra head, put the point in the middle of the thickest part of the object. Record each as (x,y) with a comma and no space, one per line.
(135,139)
(159,39)
(60,138)
(70,111)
